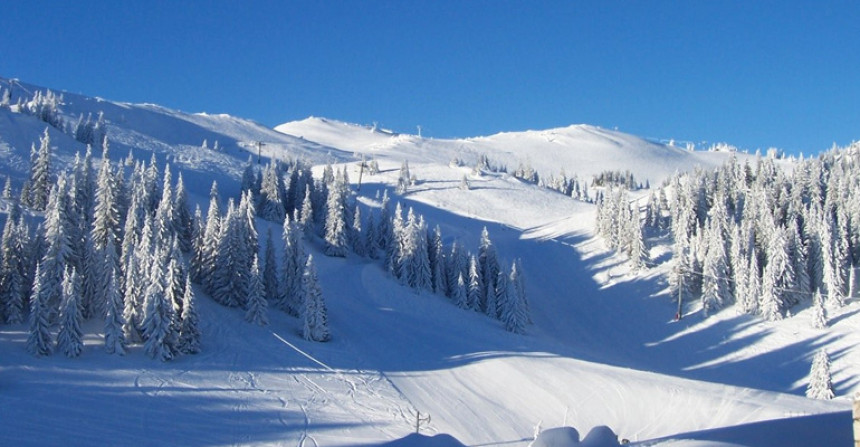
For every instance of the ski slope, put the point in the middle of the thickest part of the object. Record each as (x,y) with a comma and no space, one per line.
(602,349)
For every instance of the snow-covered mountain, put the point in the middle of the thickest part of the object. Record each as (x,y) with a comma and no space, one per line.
(602,348)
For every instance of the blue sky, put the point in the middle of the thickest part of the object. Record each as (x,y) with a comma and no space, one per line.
(752,73)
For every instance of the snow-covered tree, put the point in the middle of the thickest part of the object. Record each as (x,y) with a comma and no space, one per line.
(40,340)
(70,337)
(270,270)
(476,287)
(335,224)
(459,293)
(159,324)
(820,383)
(115,342)
(819,314)
(514,309)
(40,174)
(314,313)
(292,269)
(183,222)
(189,327)
(257,312)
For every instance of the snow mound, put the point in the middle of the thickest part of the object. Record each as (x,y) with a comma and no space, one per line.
(601,436)
(557,437)
(419,440)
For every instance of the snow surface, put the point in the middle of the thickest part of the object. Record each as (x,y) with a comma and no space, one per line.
(603,349)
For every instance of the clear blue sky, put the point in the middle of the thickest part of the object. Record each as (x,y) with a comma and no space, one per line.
(752,73)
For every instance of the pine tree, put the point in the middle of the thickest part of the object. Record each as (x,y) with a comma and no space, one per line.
(70,337)
(115,342)
(189,328)
(257,304)
(820,382)
(40,340)
(314,313)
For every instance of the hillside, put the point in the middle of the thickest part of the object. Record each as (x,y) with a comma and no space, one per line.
(602,349)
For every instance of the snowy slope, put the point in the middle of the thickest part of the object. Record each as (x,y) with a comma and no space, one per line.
(580,150)
(602,349)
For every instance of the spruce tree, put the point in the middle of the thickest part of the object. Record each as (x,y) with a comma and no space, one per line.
(159,319)
(270,270)
(292,269)
(40,340)
(70,337)
(257,304)
(40,174)
(183,221)
(819,314)
(459,294)
(189,328)
(335,225)
(820,383)
(115,342)
(314,313)
(473,296)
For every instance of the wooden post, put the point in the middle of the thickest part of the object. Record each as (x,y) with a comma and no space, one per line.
(856,408)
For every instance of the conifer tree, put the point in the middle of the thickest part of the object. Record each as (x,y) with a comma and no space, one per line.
(335,225)
(371,238)
(40,174)
(459,293)
(307,215)
(40,340)
(488,264)
(183,221)
(271,203)
(716,291)
(820,383)
(359,241)
(437,262)
(12,270)
(270,270)
(819,314)
(211,237)
(514,312)
(257,304)
(314,313)
(292,269)
(115,342)
(58,245)
(106,219)
(159,319)
(475,286)
(70,337)
(189,328)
